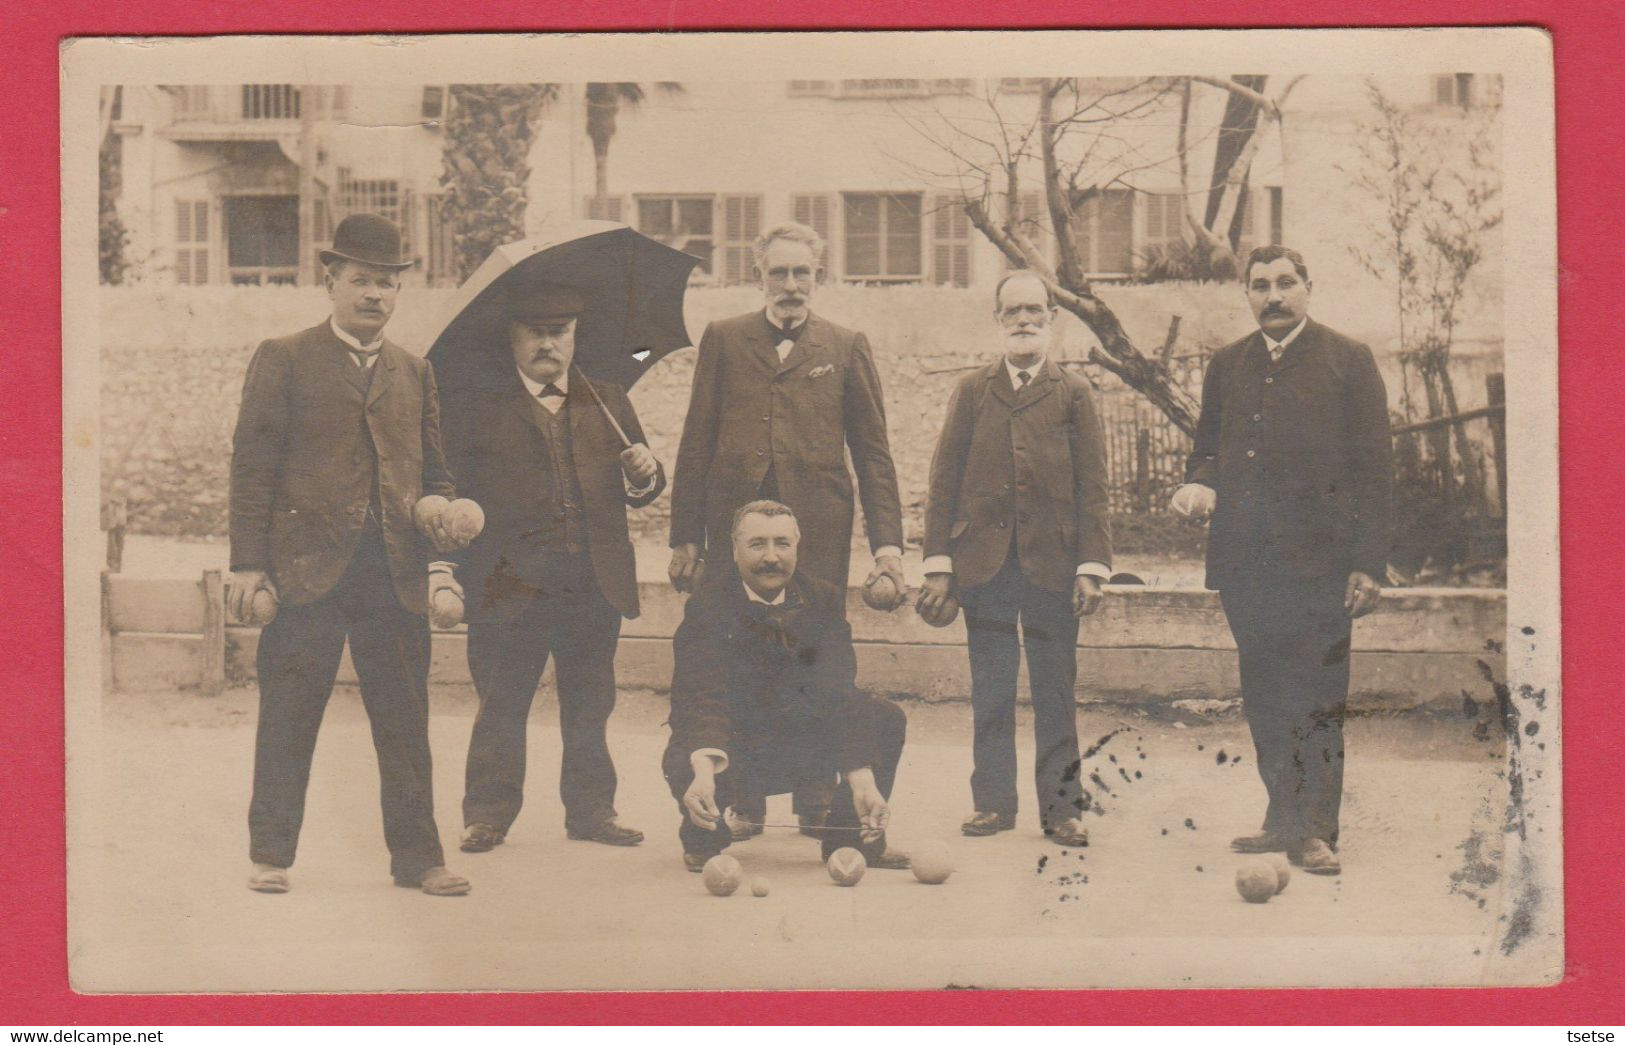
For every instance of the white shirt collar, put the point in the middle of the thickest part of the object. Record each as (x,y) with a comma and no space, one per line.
(777,600)
(535,387)
(1277,347)
(1013,370)
(354,342)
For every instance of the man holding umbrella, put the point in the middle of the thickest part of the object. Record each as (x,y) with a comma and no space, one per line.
(779,397)
(554,458)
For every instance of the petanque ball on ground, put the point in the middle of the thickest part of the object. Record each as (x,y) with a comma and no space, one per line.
(722,874)
(1283,870)
(846,866)
(428,509)
(881,595)
(1256,881)
(931,863)
(445,609)
(262,607)
(759,886)
(465,519)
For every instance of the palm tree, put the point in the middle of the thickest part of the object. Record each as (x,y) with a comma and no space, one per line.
(604,103)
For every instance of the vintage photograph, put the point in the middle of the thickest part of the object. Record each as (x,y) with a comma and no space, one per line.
(1046,510)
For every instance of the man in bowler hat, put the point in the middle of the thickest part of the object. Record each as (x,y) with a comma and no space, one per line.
(337,438)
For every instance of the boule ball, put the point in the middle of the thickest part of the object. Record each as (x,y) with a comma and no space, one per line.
(882,594)
(1283,869)
(262,607)
(1256,881)
(931,863)
(465,519)
(846,866)
(759,886)
(427,510)
(722,875)
(445,608)
(950,612)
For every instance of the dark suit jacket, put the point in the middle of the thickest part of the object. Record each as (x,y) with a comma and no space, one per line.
(495,450)
(1301,458)
(301,469)
(738,685)
(748,411)
(1033,464)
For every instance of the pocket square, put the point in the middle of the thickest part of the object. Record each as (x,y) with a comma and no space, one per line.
(820,371)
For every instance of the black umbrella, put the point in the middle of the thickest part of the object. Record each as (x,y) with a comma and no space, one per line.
(633,287)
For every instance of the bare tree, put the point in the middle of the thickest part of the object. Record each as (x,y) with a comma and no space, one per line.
(1079,136)
(1438,184)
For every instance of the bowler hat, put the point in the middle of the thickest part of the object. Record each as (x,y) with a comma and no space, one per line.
(537,301)
(371,239)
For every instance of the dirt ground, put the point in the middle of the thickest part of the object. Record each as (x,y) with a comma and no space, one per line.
(159,793)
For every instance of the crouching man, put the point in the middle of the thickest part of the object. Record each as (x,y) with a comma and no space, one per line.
(764,700)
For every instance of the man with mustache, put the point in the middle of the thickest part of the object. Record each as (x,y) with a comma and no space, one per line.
(1293,464)
(779,397)
(764,699)
(1016,527)
(337,438)
(552,573)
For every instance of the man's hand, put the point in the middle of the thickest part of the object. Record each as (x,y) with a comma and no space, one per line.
(240,588)
(937,605)
(877,592)
(701,798)
(1194,501)
(639,465)
(869,804)
(1362,594)
(1086,595)
(686,567)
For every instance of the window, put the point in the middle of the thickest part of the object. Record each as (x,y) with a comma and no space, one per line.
(1105,231)
(882,235)
(950,241)
(812,209)
(192,242)
(434,102)
(262,239)
(1030,214)
(1277,213)
(811,88)
(1453,89)
(270,101)
(191,103)
(741,224)
(440,263)
(610,208)
(1164,222)
(683,222)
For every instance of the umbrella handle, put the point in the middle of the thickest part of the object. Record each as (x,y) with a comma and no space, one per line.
(620,432)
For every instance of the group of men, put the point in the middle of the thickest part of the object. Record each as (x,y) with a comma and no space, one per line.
(342,433)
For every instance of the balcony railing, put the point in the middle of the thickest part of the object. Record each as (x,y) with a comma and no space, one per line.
(253,104)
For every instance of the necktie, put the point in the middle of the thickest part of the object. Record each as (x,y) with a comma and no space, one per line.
(1023,377)
(363,357)
(787,341)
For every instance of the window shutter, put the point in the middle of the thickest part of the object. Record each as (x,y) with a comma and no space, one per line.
(950,241)
(741,224)
(183,221)
(813,211)
(613,208)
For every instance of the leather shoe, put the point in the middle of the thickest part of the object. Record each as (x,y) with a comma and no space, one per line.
(1069,833)
(606,831)
(980,825)
(268,879)
(1316,857)
(437,881)
(695,862)
(741,827)
(1262,842)
(891,860)
(481,838)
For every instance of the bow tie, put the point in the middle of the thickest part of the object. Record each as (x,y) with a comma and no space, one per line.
(550,391)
